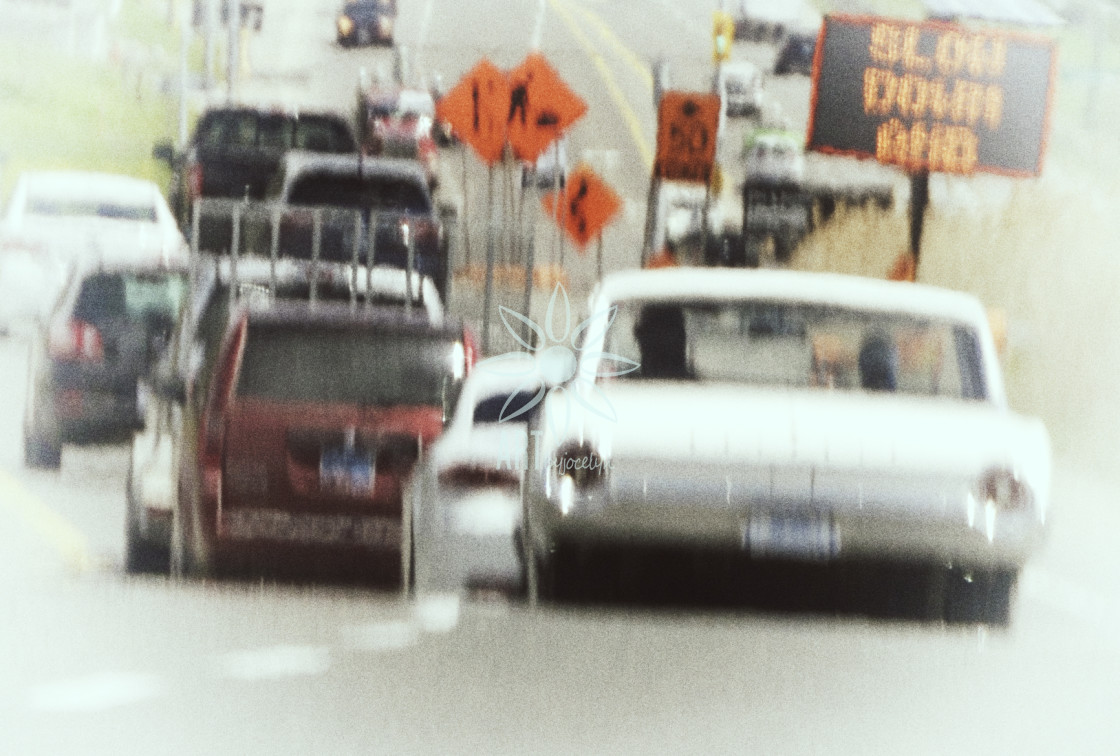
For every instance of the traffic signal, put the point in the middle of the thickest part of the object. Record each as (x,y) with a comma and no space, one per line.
(723,34)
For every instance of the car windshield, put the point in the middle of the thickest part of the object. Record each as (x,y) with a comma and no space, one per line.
(89,207)
(517,407)
(377,193)
(354,366)
(799,345)
(132,295)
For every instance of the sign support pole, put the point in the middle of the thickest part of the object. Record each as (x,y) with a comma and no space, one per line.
(530,250)
(488,294)
(599,258)
(919,200)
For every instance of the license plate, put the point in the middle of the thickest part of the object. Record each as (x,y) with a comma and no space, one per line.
(803,536)
(346,470)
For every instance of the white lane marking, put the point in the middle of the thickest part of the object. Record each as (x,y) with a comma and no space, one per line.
(538,27)
(1069,597)
(425,22)
(393,635)
(276,662)
(94,693)
(437,612)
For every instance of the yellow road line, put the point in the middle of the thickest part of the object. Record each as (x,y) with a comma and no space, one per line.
(48,524)
(641,67)
(613,89)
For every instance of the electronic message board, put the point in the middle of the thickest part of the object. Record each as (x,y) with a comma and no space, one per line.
(932,96)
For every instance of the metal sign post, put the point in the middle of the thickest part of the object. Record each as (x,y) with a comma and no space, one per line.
(488,292)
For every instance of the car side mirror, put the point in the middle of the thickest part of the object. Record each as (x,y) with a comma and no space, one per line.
(164,151)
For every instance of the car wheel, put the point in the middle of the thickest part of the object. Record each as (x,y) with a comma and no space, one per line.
(183,561)
(979,596)
(42,450)
(140,555)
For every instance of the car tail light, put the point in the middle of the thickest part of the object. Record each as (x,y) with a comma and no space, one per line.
(77,341)
(194,181)
(1004,490)
(18,244)
(470,351)
(474,476)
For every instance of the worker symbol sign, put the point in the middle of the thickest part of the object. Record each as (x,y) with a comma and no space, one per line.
(531,107)
(586,206)
(687,127)
(541,107)
(477,109)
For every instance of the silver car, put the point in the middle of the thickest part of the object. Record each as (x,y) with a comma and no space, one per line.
(55,217)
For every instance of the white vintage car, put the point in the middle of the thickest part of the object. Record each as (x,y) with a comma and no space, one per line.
(790,418)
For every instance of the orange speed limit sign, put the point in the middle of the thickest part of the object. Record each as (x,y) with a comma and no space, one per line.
(687,123)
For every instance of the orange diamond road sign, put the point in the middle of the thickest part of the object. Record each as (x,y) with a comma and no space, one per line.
(587,205)
(687,123)
(477,109)
(541,107)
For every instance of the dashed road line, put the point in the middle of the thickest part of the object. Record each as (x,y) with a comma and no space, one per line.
(94,693)
(613,89)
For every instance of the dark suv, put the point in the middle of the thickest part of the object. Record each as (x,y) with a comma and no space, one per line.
(105,330)
(296,447)
(236,150)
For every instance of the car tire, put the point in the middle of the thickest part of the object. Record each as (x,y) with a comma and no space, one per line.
(980,597)
(140,555)
(42,451)
(182,561)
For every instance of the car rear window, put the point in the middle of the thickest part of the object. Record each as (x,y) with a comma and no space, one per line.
(355,366)
(278,131)
(799,346)
(133,295)
(359,193)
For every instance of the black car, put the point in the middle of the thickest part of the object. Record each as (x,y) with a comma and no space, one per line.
(105,331)
(236,150)
(796,55)
(363,22)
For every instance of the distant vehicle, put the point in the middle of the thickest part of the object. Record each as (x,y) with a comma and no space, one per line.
(400,124)
(786,191)
(771,21)
(106,329)
(390,194)
(235,151)
(788,418)
(551,168)
(57,218)
(465,498)
(796,54)
(306,435)
(740,87)
(188,362)
(365,22)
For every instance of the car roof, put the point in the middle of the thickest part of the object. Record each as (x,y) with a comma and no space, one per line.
(279,110)
(829,289)
(341,314)
(301,162)
(739,68)
(89,184)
